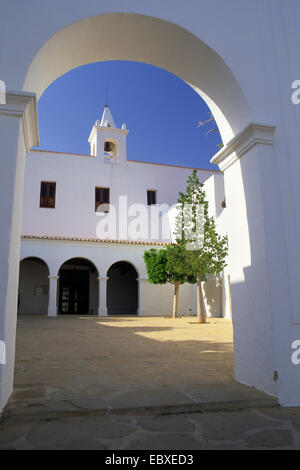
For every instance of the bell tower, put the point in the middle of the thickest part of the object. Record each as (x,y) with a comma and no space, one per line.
(108,143)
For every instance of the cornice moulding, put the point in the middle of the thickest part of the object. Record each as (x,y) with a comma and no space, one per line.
(94,240)
(24,106)
(112,129)
(254,134)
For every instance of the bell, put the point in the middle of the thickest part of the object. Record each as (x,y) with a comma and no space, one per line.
(108,146)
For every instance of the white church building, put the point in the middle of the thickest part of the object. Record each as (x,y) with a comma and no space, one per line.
(244,63)
(87,221)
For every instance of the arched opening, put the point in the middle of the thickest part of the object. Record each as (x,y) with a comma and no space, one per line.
(122,289)
(149,40)
(78,288)
(110,148)
(152,41)
(33,294)
(79,38)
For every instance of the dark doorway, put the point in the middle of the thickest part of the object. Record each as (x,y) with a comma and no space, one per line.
(122,289)
(74,292)
(75,277)
(33,295)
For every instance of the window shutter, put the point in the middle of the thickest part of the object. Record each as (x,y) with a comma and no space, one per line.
(47,196)
(151,197)
(101,197)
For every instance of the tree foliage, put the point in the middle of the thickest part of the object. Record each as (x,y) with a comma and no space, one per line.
(164,265)
(178,263)
(205,250)
(210,256)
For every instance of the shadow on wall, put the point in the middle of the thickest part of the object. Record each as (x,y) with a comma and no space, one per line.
(219,195)
(250,273)
(33,293)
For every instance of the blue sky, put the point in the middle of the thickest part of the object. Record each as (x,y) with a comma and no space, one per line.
(160,110)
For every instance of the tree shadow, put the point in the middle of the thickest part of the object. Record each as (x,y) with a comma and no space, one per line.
(108,358)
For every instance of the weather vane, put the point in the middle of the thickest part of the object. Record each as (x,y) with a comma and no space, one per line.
(106,97)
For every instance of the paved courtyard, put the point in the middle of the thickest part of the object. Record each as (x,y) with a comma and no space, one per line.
(136,383)
(100,358)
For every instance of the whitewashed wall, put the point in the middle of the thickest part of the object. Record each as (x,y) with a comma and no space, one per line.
(243,61)
(76,177)
(216,288)
(74,216)
(154,300)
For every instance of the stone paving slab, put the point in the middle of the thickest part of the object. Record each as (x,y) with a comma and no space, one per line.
(215,397)
(262,428)
(87,357)
(137,383)
(68,365)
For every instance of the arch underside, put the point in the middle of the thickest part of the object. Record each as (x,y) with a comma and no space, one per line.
(149,40)
(78,288)
(122,289)
(33,292)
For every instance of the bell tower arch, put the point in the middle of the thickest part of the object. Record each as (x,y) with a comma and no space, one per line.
(107,141)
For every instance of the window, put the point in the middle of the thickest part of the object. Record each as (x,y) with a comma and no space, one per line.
(41,290)
(102,199)
(47,196)
(151,197)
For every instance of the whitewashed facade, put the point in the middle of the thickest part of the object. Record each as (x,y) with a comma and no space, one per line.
(70,229)
(242,58)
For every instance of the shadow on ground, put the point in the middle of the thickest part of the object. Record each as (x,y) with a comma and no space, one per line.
(90,357)
(134,383)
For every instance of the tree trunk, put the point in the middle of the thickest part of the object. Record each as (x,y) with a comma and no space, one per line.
(201,314)
(175,300)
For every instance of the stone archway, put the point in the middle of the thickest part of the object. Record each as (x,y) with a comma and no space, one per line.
(122,289)
(33,294)
(215,83)
(78,288)
(196,47)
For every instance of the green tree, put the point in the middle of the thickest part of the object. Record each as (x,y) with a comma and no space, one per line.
(204,249)
(164,266)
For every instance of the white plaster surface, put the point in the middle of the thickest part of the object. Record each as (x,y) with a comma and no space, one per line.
(242,57)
